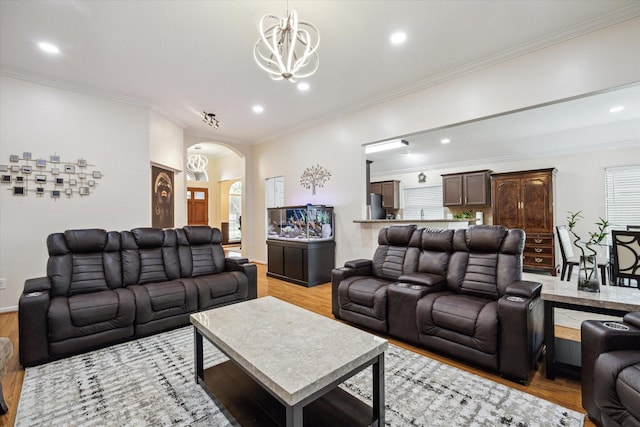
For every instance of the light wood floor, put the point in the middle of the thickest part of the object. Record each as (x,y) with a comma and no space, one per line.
(562,391)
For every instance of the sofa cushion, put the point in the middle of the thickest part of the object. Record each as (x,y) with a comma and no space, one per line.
(363,300)
(480,275)
(149,255)
(220,289)
(393,255)
(148,237)
(88,314)
(83,261)
(95,308)
(200,251)
(628,388)
(463,319)
(85,241)
(155,301)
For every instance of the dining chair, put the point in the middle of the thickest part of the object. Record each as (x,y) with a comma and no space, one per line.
(626,256)
(569,260)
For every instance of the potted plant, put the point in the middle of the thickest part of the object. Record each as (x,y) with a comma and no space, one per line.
(588,279)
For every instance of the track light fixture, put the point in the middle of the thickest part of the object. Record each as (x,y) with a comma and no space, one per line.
(211,120)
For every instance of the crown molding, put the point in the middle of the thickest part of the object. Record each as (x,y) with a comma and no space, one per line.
(74,87)
(615,17)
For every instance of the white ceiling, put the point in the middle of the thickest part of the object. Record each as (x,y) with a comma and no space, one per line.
(183,57)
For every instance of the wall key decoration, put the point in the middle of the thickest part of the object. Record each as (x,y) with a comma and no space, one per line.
(29,174)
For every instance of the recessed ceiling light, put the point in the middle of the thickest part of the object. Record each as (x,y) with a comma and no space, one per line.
(398,38)
(48,47)
(445,140)
(258,109)
(616,109)
(303,86)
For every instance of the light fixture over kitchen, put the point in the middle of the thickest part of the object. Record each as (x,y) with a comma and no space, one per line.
(287,48)
(385,145)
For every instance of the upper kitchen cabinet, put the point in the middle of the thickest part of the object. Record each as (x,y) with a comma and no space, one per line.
(390,191)
(467,189)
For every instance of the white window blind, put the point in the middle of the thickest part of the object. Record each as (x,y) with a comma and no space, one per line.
(425,201)
(623,196)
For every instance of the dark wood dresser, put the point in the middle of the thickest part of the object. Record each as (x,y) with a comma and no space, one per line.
(524,200)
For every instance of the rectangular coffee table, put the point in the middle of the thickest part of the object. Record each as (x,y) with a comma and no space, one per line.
(611,300)
(296,356)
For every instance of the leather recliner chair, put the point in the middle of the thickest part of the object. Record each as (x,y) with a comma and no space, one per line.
(611,371)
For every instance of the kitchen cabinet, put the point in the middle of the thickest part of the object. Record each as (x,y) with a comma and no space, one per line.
(390,191)
(466,189)
(525,200)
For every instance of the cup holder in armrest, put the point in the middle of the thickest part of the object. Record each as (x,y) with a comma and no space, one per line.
(616,325)
(515,299)
(33,294)
(401,285)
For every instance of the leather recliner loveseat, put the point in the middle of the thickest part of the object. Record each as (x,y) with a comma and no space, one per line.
(457,292)
(105,287)
(611,371)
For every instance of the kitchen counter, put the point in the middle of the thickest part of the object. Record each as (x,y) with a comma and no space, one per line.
(370,228)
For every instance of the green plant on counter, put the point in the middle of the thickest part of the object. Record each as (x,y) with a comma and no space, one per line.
(463,215)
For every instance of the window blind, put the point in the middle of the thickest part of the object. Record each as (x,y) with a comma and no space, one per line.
(423,200)
(622,192)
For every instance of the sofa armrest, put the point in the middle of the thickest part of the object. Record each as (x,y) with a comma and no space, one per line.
(524,288)
(32,322)
(358,263)
(596,338)
(521,317)
(423,279)
(237,260)
(633,318)
(357,267)
(250,270)
(38,284)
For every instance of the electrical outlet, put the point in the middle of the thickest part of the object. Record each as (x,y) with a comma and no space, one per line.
(3,283)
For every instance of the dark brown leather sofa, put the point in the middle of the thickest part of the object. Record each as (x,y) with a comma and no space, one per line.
(107,287)
(611,371)
(457,292)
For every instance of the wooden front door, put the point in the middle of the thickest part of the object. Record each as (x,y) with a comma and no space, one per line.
(197,206)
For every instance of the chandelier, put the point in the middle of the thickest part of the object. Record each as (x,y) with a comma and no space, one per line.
(211,120)
(197,163)
(287,47)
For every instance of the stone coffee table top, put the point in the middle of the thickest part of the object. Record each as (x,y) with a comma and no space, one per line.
(290,350)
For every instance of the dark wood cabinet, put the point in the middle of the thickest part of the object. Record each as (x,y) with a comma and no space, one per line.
(306,263)
(390,191)
(466,189)
(525,200)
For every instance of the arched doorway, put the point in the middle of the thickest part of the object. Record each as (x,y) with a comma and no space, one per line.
(223,168)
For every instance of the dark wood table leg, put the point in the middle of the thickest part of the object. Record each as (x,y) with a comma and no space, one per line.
(549,340)
(197,355)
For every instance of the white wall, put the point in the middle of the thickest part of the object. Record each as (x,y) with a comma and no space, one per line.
(116,137)
(592,62)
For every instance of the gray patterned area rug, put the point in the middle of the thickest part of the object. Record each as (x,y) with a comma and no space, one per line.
(150,382)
